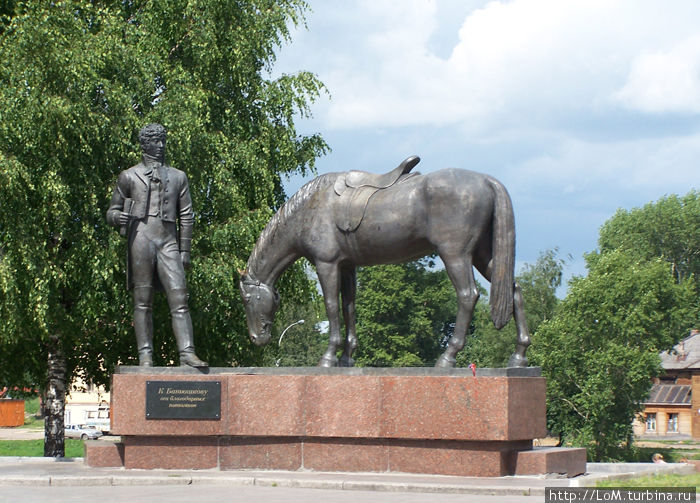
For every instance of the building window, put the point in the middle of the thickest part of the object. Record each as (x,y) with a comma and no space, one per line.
(673,423)
(651,422)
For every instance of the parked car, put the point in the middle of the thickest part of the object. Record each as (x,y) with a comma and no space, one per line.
(81,431)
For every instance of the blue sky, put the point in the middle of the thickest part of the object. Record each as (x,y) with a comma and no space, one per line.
(578,107)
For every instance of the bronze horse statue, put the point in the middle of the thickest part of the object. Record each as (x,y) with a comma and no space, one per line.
(340,221)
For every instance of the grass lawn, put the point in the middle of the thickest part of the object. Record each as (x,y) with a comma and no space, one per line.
(670,480)
(35,448)
(671,455)
(32,423)
(31,407)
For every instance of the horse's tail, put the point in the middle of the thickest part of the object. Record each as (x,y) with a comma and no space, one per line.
(502,256)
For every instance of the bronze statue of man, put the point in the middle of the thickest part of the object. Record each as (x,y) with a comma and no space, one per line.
(148,203)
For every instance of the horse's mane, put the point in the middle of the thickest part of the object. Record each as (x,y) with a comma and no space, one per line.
(287,210)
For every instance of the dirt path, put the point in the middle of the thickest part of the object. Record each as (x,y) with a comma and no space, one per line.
(20,433)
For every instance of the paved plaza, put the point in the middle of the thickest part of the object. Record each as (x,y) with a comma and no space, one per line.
(47,480)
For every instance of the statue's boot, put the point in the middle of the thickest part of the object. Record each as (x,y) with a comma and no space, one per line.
(182,328)
(143,324)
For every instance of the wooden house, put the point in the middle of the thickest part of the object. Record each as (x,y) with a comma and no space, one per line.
(673,406)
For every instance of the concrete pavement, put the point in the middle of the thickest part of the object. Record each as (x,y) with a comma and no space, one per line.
(45,476)
(228,494)
(43,479)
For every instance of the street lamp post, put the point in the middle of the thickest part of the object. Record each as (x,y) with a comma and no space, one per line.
(300,322)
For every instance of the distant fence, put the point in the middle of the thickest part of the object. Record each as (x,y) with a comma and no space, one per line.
(11,412)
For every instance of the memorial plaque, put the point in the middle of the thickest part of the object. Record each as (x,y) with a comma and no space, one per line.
(183,399)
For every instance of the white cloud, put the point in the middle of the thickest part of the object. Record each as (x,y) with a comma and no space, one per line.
(665,81)
(625,172)
(514,63)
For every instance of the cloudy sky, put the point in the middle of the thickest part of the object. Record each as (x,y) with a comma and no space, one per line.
(578,107)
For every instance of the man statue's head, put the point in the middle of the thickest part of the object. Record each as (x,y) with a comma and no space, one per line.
(152,138)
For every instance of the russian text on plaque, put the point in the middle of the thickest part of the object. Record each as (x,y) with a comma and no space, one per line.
(183,399)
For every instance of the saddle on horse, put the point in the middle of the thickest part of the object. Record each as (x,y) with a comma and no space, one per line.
(355,188)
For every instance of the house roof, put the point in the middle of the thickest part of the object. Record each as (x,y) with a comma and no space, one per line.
(669,394)
(685,354)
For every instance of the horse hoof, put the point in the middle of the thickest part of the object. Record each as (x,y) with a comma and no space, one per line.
(517,361)
(328,362)
(445,362)
(346,361)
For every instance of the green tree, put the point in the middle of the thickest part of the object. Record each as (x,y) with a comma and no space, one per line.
(668,228)
(405,314)
(601,349)
(488,347)
(303,343)
(78,80)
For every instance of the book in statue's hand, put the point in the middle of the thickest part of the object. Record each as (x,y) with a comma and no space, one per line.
(128,205)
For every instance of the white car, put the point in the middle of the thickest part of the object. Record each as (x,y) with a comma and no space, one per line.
(83,432)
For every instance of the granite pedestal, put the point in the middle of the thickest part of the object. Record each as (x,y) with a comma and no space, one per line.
(415,420)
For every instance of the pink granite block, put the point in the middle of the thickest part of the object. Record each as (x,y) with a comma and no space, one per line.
(128,408)
(345,455)
(541,460)
(171,453)
(405,422)
(460,408)
(444,408)
(342,406)
(261,453)
(104,454)
(442,457)
(445,458)
(526,401)
(265,405)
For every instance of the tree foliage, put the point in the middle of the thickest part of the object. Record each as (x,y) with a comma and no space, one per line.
(668,228)
(601,349)
(405,314)
(78,80)
(304,343)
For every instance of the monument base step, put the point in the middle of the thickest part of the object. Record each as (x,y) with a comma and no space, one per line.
(570,461)
(439,457)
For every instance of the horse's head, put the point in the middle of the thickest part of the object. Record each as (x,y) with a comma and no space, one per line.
(261,302)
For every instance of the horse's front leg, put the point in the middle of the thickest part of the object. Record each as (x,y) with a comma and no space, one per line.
(348,281)
(329,277)
(518,359)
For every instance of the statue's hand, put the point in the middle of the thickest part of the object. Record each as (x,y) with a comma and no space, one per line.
(124,218)
(185,257)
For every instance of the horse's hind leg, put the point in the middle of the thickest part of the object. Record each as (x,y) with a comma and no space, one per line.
(348,281)
(518,359)
(462,276)
(328,276)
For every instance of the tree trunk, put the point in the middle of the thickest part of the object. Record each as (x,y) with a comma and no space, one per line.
(54,406)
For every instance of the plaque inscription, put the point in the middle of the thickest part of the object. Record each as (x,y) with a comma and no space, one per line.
(183,399)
